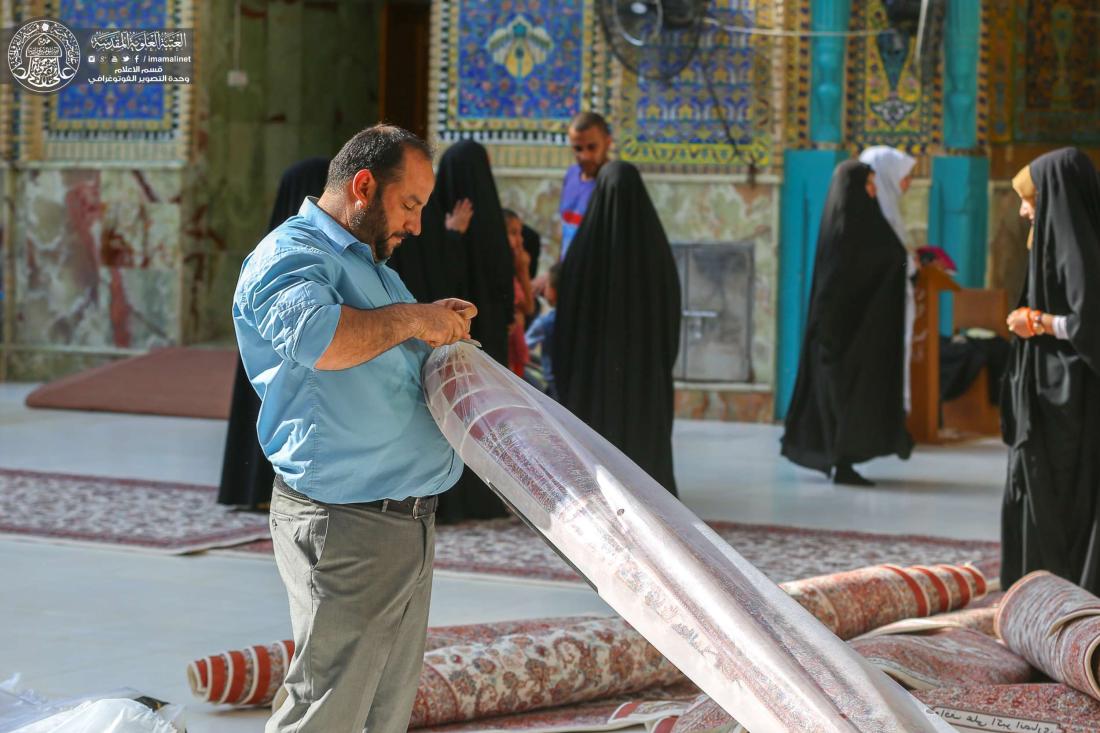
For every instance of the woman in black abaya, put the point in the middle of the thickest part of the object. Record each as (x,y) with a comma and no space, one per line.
(247,475)
(617,331)
(464,173)
(847,405)
(433,264)
(1051,406)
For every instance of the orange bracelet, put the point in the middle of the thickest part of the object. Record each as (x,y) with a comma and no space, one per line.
(1037,323)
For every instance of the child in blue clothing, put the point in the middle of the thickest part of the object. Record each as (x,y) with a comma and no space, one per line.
(541,332)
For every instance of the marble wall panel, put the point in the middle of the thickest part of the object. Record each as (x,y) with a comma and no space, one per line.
(914,211)
(42,366)
(95,260)
(729,406)
(730,212)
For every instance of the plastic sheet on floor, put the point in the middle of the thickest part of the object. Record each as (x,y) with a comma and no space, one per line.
(119,711)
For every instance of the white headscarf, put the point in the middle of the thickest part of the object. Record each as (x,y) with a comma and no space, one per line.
(890,166)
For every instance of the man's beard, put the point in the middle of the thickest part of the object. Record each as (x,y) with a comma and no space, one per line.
(369,226)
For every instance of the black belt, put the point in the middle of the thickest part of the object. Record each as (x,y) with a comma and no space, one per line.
(414,507)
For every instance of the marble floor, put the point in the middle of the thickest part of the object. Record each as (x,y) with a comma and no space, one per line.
(80,620)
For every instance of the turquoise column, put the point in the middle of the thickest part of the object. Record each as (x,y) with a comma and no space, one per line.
(827,70)
(958,211)
(806,176)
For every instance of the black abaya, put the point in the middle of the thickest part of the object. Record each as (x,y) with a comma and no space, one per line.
(847,405)
(1051,411)
(433,264)
(247,475)
(532,244)
(464,173)
(617,329)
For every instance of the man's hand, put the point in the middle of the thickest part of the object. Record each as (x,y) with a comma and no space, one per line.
(445,321)
(459,218)
(1017,323)
(464,308)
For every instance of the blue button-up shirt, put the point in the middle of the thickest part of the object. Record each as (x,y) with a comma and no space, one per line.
(354,435)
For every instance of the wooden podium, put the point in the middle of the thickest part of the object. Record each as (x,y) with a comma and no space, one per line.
(924,364)
(972,414)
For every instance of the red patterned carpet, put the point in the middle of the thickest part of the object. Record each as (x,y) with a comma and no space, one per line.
(122,513)
(506,548)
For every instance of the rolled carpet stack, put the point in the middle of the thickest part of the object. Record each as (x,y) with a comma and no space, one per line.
(855,602)
(1055,625)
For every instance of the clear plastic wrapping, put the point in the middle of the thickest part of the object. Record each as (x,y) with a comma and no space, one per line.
(768,662)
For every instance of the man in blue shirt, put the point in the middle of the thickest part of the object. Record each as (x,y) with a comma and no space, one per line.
(590,139)
(334,343)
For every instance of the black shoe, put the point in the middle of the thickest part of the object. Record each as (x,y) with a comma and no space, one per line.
(845,474)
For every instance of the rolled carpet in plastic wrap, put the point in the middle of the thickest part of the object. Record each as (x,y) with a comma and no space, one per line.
(857,601)
(251,677)
(732,631)
(1055,625)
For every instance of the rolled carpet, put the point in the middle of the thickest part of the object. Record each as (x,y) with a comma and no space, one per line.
(857,601)
(975,619)
(476,671)
(587,661)
(251,677)
(1055,625)
(241,677)
(483,670)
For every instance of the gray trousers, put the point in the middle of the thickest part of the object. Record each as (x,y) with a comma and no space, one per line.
(359,583)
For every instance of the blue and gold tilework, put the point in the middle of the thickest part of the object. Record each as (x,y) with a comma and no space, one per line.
(680,124)
(111,121)
(514,72)
(888,103)
(139,103)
